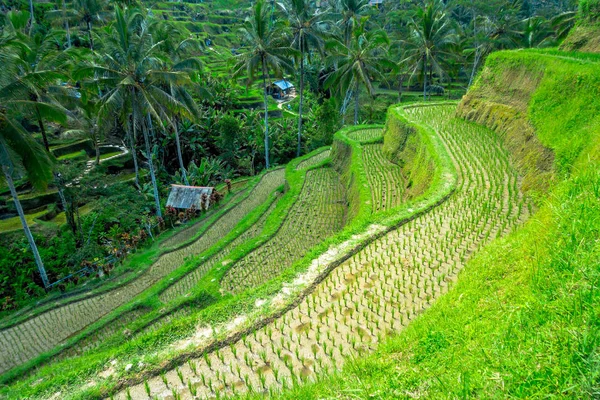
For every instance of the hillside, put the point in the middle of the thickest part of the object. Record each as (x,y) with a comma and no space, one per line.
(521,320)
(202,238)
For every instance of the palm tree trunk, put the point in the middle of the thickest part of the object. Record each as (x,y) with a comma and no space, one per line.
(475,65)
(32,17)
(301,102)
(133,153)
(43,129)
(179,155)
(356,103)
(425,78)
(67,25)
(89,26)
(97,145)
(36,255)
(151,167)
(265,77)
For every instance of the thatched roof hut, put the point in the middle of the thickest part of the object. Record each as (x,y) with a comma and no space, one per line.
(187,196)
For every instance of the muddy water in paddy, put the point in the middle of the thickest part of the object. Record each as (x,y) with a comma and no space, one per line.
(378,290)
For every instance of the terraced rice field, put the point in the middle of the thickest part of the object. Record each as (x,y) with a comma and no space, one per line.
(385,179)
(314,160)
(42,333)
(188,282)
(375,292)
(319,212)
(365,135)
(98,337)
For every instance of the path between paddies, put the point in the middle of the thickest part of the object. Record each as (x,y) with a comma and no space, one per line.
(377,291)
(42,333)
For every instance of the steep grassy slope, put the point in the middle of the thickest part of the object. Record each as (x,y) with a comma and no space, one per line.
(522,320)
(585,36)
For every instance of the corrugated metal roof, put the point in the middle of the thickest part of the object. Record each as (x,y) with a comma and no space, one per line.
(185,196)
(283,84)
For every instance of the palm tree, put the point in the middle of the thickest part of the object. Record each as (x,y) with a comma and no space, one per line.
(18,151)
(34,82)
(267,51)
(350,14)
(307,29)
(431,35)
(135,82)
(178,50)
(358,63)
(62,15)
(86,124)
(89,11)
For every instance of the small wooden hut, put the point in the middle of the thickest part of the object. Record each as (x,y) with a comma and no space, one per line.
(184,197)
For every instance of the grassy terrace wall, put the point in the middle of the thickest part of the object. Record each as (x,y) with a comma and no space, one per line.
(403,144)
(522,319)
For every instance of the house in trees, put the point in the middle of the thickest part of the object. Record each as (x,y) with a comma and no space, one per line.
(281,89)
(187,197)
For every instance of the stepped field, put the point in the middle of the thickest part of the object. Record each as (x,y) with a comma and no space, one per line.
(451,253)
(378,290)
(43,332)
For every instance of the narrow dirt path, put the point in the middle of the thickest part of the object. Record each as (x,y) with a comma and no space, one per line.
(377,291)
(42,333)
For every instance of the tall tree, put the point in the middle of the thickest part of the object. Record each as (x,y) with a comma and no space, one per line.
(350,13)
(18,151)
(63,16)
(180,51)
(36,72)
(431,36)
(90,11)
(267,51)
(306,34)
(357,63)
(135,82)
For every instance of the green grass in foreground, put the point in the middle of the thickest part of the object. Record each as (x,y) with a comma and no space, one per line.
(523,320)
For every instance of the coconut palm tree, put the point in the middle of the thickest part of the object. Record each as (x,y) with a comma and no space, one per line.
(88,12)
(180,51)
(350,12)
(307,30)
(135,82)
(63,16)
(431,36)
(35,76)
(358,63)
(266,51)
(18,151)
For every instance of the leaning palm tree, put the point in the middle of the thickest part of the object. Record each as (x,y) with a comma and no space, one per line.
(18,152)
(134,81)
(307,29)
(358,63)
(431,36)
(267,51)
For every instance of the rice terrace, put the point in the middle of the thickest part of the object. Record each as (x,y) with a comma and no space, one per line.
(342,199)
